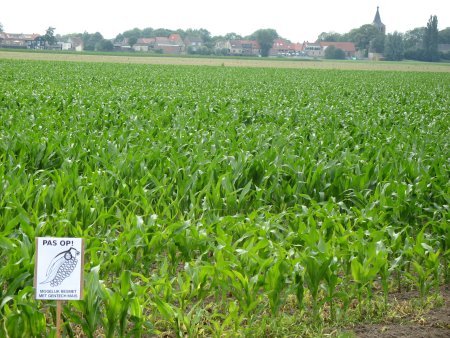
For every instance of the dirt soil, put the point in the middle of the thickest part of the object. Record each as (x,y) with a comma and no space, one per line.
(435,323)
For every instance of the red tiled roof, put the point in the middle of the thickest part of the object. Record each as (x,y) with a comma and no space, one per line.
(240,43)
(307,43)
(26,37)
(281,44)
(298,47)
(175,37)
(160,39)
(345,46)
(145,41)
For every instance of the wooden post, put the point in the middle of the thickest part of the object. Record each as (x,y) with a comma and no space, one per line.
(58,318)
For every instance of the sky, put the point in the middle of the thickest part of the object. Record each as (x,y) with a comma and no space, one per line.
(295,20)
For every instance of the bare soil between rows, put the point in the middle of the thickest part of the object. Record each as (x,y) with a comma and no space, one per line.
(435,323)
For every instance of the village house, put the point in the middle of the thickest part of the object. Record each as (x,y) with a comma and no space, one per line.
(177,40)
(21,41)
(73,43)
(317,49)
(348,48)
(223,46)
(165,45)
(312,49)
(193,44)
(123,45)
(282,47)
(244,47)
(170,45)
(144,44)
(64,45)
(76,44)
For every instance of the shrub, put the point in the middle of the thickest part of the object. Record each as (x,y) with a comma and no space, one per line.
(332,52)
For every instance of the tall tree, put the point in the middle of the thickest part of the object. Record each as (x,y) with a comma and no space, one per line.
(331,52)
(232,36)
(413,39)
(265,38)
(203,34)
(377,44)
(367,37)
(119,38)
(444,36)
(163,32)
(132,41)
(330,36)
(132,33)
(431,39)
(148,32)
(393,47)
(49,36)
(104,45)
(92,41)
(1,27)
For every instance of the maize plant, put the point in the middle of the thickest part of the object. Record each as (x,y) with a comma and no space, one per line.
(213,200)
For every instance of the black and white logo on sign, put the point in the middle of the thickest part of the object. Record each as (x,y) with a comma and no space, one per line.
(61,267)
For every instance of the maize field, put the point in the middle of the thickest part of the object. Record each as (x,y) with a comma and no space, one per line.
(221,201)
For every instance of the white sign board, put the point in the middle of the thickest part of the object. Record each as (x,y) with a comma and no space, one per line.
(58,273)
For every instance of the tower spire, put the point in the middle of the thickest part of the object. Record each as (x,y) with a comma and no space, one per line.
(378,23)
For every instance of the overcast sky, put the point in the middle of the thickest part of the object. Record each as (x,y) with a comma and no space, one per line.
(295,20)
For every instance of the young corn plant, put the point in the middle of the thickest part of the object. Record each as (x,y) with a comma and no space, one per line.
(88,312)
(276,282)
(332,280)
(315,272)
(363,274)
(122,307)
(21,316)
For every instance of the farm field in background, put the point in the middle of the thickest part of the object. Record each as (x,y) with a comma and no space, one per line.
(222,201)
(145,58)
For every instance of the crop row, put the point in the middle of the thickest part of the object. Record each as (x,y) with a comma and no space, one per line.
(210,197)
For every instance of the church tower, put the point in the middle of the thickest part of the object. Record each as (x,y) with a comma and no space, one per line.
(377,22)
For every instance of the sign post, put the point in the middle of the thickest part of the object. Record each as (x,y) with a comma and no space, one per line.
(58,272)
(58,318)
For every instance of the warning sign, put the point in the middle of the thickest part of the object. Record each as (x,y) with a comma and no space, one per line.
(58,271)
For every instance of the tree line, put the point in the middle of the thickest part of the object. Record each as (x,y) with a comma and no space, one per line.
(417,44)
(96,41)
(265,37)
